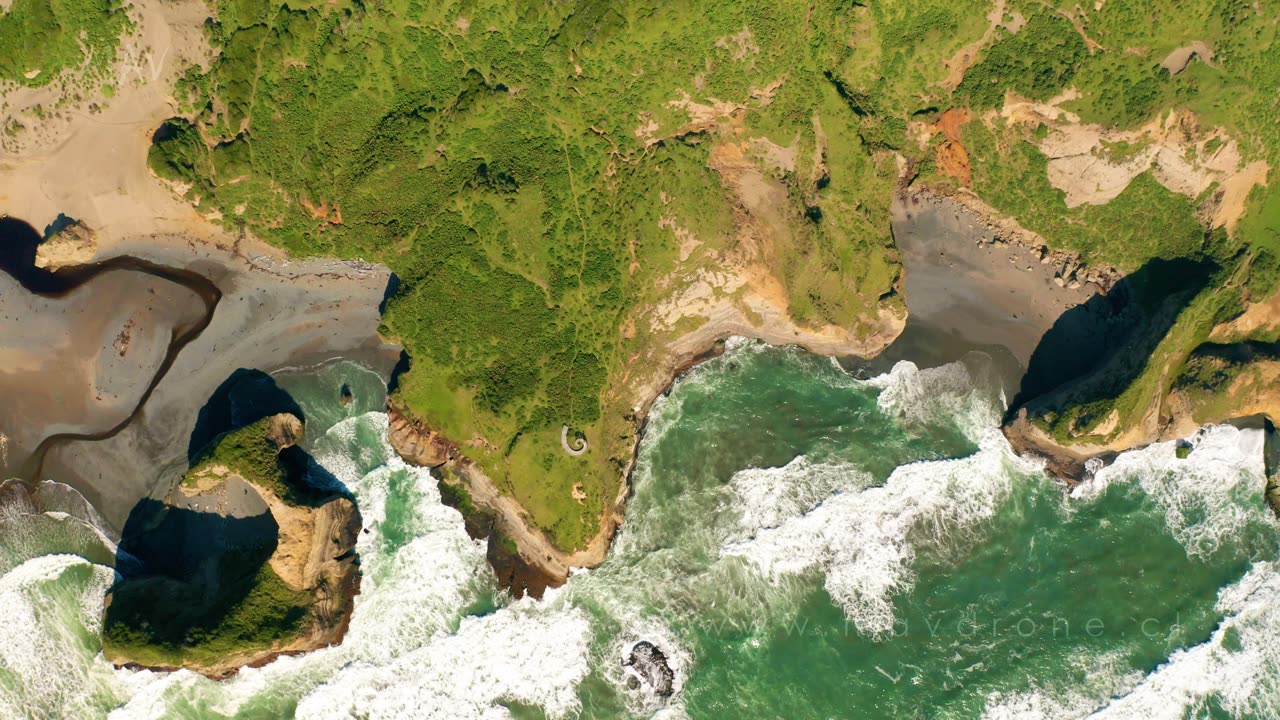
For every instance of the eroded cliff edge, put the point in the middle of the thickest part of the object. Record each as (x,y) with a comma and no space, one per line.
(521,553)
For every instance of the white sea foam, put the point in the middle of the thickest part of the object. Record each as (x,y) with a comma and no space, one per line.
(408,653)
(60,497)
(1238,667)
(965,392)
(520,654)
(360,456)
(53,607)
(865,541)
(411,593)
(1208,498)
(767,497)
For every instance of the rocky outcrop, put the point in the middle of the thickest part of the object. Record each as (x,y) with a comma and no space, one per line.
(649,665)
(74,244)
(1271,464)
(524,560)
(1071,464)
(236,543)
(415,442)
(284,430)
(1070,269)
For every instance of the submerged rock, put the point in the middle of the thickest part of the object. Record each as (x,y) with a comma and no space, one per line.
(649,664)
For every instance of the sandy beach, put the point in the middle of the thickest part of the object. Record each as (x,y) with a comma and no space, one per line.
(958,278)
(274,312)
(81,362)
(271,315)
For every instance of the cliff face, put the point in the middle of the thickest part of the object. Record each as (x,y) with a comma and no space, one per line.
(243,561)
(415,442)
(523,559)
(1229,379)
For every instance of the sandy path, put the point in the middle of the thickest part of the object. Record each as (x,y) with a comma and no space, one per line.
(579,444)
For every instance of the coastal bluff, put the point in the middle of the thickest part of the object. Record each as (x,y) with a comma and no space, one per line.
(245,559)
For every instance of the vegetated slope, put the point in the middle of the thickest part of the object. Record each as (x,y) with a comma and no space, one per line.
(39,39)
(540,178)
(245,559)
(1093,104)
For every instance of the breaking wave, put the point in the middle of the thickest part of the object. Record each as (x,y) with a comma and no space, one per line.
(1210,497)
(965,393)
(53,609)
(864,542)
(817,517)
(432,637)
(1237,672)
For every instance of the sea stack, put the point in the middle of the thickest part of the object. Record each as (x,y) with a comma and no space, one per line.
(242,561)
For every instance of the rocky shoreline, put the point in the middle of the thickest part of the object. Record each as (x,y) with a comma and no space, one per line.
(526,561)
(1170,417)
(1069,269)
(521,555)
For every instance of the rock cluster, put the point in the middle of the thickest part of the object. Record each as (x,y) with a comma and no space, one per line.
(1070,270)
(650,665)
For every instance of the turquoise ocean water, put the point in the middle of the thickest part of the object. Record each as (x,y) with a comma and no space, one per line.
(800,544)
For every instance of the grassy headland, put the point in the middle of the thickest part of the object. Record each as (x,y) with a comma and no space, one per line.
(544,180)
(538,178)
(225,581)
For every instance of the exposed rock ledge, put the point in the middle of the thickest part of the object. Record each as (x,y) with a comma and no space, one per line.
(201,553)
(1250,398)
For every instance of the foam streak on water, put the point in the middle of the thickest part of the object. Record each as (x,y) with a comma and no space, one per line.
(1208,498)
(1237,670)
(864,542)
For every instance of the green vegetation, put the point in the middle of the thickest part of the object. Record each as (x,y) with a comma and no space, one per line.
(1013,177)
(224,600)
(161,621)
(531,173)
(41,38)
(1037,62)
(249,452)
(1121,151)
(498,157)
(1207,373)
(455,495)
(1136,378)
(1113,64)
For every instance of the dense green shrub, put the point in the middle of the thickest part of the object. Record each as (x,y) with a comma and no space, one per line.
(1037,62)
